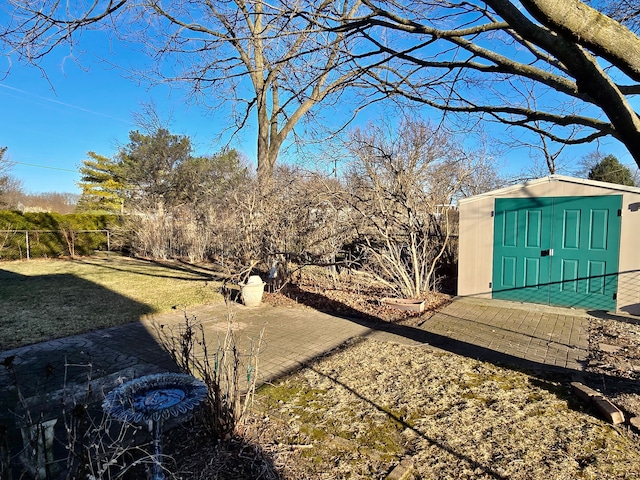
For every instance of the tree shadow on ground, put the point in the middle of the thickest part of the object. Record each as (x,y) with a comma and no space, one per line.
(339,309)
(45,382)
(324,304)
(543,372)
(87,440)
(476,466)
(195,271)
(603,315)
(63,381)
(64,305)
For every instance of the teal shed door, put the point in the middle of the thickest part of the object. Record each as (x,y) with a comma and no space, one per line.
(557,250)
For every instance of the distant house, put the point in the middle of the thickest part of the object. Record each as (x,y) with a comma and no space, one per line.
(555,240)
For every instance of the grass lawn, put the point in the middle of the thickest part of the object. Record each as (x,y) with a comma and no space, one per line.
(362,410)
(45,299)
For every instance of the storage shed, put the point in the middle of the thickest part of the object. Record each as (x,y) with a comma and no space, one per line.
(557,241)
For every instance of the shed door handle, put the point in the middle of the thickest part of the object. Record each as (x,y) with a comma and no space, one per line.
(547,253)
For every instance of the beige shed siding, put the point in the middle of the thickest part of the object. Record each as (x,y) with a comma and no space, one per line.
(629,266)
(476,234)
(475,251)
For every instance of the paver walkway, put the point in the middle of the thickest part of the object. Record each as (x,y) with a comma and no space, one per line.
(505,332)
(485,329)
(521,333)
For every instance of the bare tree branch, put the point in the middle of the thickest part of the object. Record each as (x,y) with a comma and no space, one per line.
(484,58)
(269,59)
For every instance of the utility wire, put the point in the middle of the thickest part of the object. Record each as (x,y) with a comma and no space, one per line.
(43,166)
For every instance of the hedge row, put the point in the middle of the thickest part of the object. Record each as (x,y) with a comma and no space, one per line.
(65,234)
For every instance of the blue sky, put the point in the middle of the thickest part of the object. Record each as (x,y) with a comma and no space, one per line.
(50,123)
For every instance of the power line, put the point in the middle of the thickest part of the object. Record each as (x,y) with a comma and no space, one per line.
(57,102)
(43,166)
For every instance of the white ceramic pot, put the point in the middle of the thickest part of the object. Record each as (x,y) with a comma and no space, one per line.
(252,291)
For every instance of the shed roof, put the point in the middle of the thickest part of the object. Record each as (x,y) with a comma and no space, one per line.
(551,178)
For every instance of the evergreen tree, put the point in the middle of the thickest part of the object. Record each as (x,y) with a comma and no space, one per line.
(148,164)
(4,179)
(101,184)
(157,170)
(201,181)
(610,170)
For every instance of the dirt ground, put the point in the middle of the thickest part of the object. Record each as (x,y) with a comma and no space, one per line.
(614,359)
(373,407)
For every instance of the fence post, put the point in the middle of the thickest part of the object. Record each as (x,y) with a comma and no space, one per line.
(7,242)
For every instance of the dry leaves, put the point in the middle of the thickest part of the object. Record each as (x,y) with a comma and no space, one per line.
(349,294)
(614,359)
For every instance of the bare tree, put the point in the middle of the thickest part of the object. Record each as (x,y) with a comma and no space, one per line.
(403,181)
(489,58)
(4,167)
(278,60)
(545,153)
(300,220)
(269,58)
(11,191)
(626,12)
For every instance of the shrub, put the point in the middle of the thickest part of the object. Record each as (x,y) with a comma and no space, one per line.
(230,375)
(51,235)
